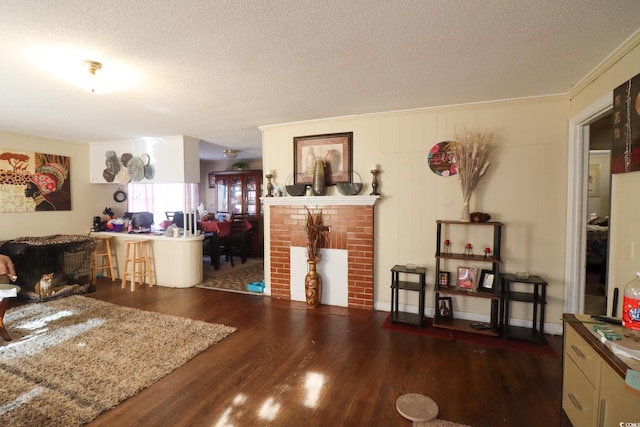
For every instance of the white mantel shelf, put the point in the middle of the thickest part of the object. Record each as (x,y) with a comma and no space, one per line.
(319,201)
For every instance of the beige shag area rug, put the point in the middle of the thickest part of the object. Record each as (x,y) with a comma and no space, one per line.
(74,358)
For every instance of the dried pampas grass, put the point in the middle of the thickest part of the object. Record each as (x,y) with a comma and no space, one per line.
(315,231)
(472,161)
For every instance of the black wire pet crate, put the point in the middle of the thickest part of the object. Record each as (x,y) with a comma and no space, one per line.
(51,267)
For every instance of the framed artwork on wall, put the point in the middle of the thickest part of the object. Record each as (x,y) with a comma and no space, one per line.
(34,181)
(625,146)
(593,183)
(335,149)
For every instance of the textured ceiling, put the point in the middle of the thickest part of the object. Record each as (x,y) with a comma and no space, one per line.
(216,70)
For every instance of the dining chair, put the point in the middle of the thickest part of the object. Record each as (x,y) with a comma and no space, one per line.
(239,216)
(213,247)
(171,214)
(235,243)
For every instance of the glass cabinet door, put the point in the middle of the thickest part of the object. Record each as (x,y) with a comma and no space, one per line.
(222,190)
(238,192)
(236,195)
(251,190)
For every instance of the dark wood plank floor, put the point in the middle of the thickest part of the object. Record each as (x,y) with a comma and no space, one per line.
(287,366)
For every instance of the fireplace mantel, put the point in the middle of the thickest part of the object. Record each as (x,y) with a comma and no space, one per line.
(350,220)
(320,201)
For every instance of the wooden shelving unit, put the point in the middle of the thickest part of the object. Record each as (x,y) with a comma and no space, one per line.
(398,285)
(536,296)
(494,298)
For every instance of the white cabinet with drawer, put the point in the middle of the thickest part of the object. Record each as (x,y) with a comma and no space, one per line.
(593,393)
(617,406)
(580,379)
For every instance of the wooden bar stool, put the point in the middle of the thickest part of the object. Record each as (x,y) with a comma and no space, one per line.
(138,255)
(102,258)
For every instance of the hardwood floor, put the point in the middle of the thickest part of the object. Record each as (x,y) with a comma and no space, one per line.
(288,366)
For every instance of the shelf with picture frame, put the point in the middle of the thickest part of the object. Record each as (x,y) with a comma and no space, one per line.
(462,275)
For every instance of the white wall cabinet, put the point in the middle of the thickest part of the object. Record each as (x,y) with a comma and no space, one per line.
(172,159)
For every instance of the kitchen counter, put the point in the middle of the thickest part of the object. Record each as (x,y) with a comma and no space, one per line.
(178,260)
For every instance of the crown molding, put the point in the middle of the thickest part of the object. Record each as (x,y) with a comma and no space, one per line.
(610,61)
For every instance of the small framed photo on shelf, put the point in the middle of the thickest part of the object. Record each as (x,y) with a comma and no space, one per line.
(443,279)
(487,279)
(445,310)
(467,278)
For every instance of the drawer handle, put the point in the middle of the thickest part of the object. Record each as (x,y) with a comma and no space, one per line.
(575,402)
(578,352)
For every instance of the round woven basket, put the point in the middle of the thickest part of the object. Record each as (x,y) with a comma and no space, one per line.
(350,188)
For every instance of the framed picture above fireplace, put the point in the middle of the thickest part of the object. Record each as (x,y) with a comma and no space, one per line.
(335,149)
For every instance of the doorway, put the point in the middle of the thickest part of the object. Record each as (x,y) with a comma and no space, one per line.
(598,211)
(577,202)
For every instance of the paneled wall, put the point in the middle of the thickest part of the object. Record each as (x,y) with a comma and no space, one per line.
(525,187)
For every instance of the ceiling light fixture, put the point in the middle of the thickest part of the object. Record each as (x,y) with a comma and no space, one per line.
(230,154)
(92,67)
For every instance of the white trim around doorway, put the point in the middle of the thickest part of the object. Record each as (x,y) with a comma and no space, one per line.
(575,257)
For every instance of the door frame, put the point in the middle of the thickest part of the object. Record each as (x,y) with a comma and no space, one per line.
(577,175)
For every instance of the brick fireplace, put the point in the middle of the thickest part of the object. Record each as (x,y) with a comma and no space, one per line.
(351,224)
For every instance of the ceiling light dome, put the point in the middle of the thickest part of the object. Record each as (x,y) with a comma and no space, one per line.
(230,154)
(92,67)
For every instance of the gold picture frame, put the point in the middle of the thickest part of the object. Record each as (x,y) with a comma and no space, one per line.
(335,149)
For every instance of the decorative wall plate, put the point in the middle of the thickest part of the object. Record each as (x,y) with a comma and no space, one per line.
(108,175)
(123,177)
(125,158)
(149,172)
(441,159)
(135,167)
(119,196)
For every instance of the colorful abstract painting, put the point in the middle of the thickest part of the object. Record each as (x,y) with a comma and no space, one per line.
(34,182)
(625,149)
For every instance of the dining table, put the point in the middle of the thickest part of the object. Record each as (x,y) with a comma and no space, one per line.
(221,228)
(213,231)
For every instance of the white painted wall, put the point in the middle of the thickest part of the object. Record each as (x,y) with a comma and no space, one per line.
(624,254)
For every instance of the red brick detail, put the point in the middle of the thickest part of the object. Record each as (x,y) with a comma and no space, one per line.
(351,228)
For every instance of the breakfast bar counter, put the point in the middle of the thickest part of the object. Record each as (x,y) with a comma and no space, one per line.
(177,260)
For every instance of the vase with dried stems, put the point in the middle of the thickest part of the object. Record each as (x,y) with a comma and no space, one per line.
(471,157)
(315,231)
